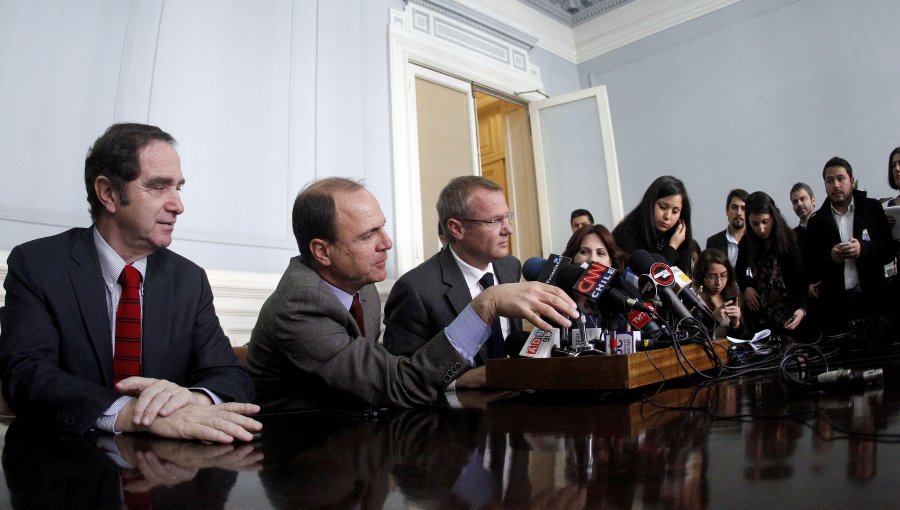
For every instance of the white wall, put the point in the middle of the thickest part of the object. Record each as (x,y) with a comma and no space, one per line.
(756,95)
(263,96)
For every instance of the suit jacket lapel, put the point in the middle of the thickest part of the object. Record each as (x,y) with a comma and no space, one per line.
(371,303)
(458,290)
(506,272)
(90,291)
(157,312)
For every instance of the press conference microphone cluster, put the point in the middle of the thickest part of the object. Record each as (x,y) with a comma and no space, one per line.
(600,291)
(670,285)
(592,284)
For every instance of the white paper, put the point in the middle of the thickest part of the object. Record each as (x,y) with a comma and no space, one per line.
(761,335)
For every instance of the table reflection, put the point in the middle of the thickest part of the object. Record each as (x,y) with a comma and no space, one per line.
(718,445)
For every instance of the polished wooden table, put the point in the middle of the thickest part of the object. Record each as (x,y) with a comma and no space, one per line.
(750,442)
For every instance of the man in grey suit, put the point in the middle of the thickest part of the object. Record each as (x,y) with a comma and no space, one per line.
(315,342)
(476,221)
(64,357)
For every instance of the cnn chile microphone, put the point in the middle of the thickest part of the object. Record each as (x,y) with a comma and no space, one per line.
(595,284)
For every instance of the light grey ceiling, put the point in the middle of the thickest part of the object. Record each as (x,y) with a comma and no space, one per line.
(574,12)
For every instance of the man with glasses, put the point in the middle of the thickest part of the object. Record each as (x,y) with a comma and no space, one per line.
(315,344)
(477,224)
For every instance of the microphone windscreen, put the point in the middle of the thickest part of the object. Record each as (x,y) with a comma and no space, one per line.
(640,261)
(514,343)
(531,269)
(567,276)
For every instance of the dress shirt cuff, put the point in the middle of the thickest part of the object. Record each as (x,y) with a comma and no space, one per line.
(107,421)
(212,396)
(467,333)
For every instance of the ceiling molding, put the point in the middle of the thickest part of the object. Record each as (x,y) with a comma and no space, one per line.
(575,12)
(551,34)
(479,21)
(635,21)
(605,32)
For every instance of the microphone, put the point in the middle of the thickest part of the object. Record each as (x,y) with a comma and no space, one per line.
(848,376)
(537,344)
(514,343)
(643,320)
(687,295)
(531,268)
(596,284)
(663,277)
(538,269)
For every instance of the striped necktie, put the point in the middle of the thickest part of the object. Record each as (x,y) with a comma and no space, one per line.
(127,356)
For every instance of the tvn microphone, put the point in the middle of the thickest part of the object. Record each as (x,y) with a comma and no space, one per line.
(643,320)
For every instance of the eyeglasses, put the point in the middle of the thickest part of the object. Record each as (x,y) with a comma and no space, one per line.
(493,222)
(711,277)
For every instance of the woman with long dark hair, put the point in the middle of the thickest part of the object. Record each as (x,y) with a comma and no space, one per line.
(661,223)
(715,282)
(775,286)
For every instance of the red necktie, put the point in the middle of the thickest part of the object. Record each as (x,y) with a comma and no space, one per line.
(357,313)
(127,356)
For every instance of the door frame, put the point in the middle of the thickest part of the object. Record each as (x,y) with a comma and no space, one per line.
(415,38)
(613,184)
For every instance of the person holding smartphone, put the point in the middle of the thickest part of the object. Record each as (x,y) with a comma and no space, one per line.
(715,283)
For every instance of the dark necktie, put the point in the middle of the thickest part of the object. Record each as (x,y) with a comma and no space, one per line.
(357,313)
(127,357)
(495,341)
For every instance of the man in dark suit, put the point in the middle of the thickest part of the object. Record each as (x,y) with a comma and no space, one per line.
(727,240)
(476,221)
(849,241)
(803,201)
(315,342)
(61,358)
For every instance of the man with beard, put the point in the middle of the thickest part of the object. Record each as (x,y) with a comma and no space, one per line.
(728,239)
(849,242)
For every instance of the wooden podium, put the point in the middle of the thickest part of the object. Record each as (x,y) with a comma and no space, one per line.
(607,372)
